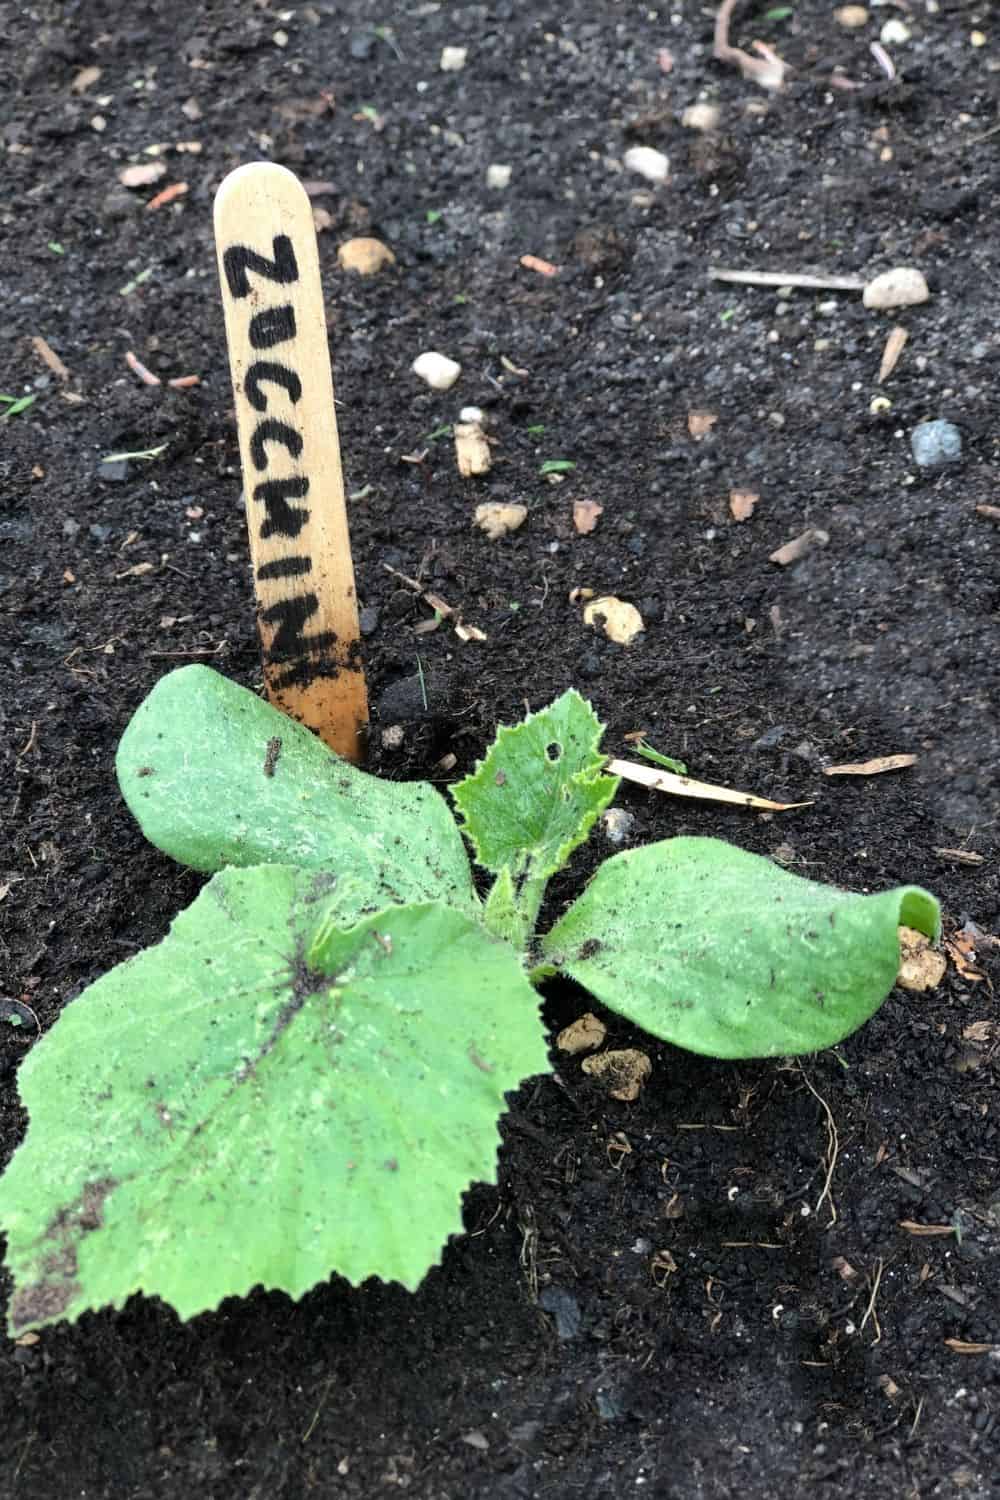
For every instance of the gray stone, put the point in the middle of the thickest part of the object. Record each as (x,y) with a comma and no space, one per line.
(936,443)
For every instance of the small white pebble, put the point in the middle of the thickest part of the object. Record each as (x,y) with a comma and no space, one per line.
(438,370)
(903,286)
(652,165)
(701,117)
(617,825)
(471,414)
(498,175)
(894,32)
(280,39)
(453,59)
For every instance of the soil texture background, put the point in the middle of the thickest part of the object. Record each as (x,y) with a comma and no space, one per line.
(655,1297)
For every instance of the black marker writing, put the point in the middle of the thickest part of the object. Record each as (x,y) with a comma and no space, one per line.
(275,325)
(291,616)
(238,260)
(285,567)
(273,431)
(275,374)
(281,518)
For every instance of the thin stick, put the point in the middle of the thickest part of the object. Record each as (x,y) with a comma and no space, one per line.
(296,514)
(793,278)
(832,1152)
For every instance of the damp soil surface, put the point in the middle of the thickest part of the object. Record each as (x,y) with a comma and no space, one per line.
(712,1290)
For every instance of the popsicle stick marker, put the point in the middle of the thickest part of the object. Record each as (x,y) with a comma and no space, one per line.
(290,453)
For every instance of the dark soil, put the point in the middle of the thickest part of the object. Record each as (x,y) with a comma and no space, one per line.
(554,1352)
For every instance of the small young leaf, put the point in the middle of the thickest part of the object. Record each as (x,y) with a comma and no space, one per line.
(217,1113)
(538,792)
(725,953)
(215,776)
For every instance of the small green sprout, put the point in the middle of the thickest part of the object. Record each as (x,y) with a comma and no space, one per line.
(444,431)
(557,466)
(536,430)
(308,1071)
(139,280)
(56,248)
(648,753)
(434,214)
(16,405)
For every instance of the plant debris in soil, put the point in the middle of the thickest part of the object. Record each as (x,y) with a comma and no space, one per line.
(747,1275)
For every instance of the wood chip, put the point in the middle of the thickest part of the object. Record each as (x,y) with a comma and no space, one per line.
(470,633)
(586,514)
(799,546)
(962,1346)
(993,511)
(894,346)
(872,767)
(742,504)
(85,79)
(535,263)
(925,1231)
(621,622)
(472,451)
(962,856)
(686,786)
(512,368)
(142,174)
(981,1032)
(138,571)
(582,1035)
(701,422)
(49,356)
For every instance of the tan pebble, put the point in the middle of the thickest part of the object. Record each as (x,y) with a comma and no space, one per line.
(364,255)
(621,622)
(497,519)
(623,1073)
(583,1035)
(851,16)
(920,967)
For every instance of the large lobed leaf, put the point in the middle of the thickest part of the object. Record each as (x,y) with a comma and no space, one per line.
(263,1099)
(539,790)
(725,953)
(215,777)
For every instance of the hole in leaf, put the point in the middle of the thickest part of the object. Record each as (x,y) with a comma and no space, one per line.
(553,751)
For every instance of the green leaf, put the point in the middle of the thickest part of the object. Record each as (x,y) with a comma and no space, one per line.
(538,792)
(724,953)
(262,1099)
(216,776)
(557,466)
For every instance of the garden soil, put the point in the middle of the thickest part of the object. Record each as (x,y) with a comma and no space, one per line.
(756,1277)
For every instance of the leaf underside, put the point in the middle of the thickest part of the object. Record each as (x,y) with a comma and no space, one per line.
(539,790)
(724,953)
(244,1106)
(215,777)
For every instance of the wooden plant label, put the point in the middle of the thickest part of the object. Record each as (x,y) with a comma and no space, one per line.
(290,453)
